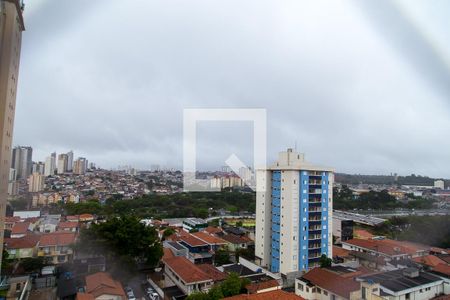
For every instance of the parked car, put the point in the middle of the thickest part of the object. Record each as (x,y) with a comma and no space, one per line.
(151,293)
(130,293)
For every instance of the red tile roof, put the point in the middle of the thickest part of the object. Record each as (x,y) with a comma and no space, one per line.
(331,282)
(273,295)
(57,239)
(20,228)
(167,253)
(68,225)
(192,240)
(236,239)
(12,219)
(213,272)
(210,239)
(442,269)
(338,251)
(84,296)
(388,247)
(186,270)
(429,260)
(362,234)
(102,283)
(26,242)
(213,230)
(254,287)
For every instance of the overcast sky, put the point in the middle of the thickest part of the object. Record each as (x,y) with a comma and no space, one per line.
(362,86)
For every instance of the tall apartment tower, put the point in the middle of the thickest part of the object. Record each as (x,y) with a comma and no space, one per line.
(11,27)
(62,163)
(22,161)
(70,161)
(79,166)
(294,205)
(50,165)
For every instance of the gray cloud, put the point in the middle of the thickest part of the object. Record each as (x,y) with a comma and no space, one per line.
(110,80)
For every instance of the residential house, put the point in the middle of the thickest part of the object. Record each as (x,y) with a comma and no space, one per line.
(101,286)
(325,284)
(272,295)
(236,242)
(23,247)
(408,283)
(68,226)
(390,249)
(187,276)
(198,249)
(56,247)
(20,229)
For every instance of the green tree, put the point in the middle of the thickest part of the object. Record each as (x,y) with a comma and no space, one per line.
(198,296)
(221,257)
(215,293)
(232,285)
(325,261)
(168,232)
(32,264)
(124,238)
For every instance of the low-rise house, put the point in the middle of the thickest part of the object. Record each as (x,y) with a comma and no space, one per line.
(263,286)
(393,250)
(56,247)
(10,221)
(213,242)
(20,229)
(187,276)
(101,286)
(24,247)
(48,225)
(236,242)
(196,224)
(324,284)
(68,226)
(408,283)
(272,295)
(86,218)
(198,249)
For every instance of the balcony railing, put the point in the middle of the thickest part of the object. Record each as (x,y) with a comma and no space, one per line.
(315,182)
(314,228)
(314,237)
(315,191)
(314,246)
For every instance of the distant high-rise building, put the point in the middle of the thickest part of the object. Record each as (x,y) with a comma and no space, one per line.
(50,165)
(70,161)
(293,214)
(11,27)
(22,161)
(79,166)
(38,167)
(439,184)
(62,163)
(13,187)
(36,182)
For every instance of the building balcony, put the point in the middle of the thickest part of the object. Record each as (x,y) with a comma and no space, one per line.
(315,191)
(316,200)
(314,237)
(315,182)
(314,228)
(314,246)
(314,220)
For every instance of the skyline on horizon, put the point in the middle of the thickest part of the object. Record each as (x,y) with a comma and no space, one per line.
(122,105)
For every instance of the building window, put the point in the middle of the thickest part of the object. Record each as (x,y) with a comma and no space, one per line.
(325,293)
(300,286)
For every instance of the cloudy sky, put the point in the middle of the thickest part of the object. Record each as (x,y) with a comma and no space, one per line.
(363,86)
